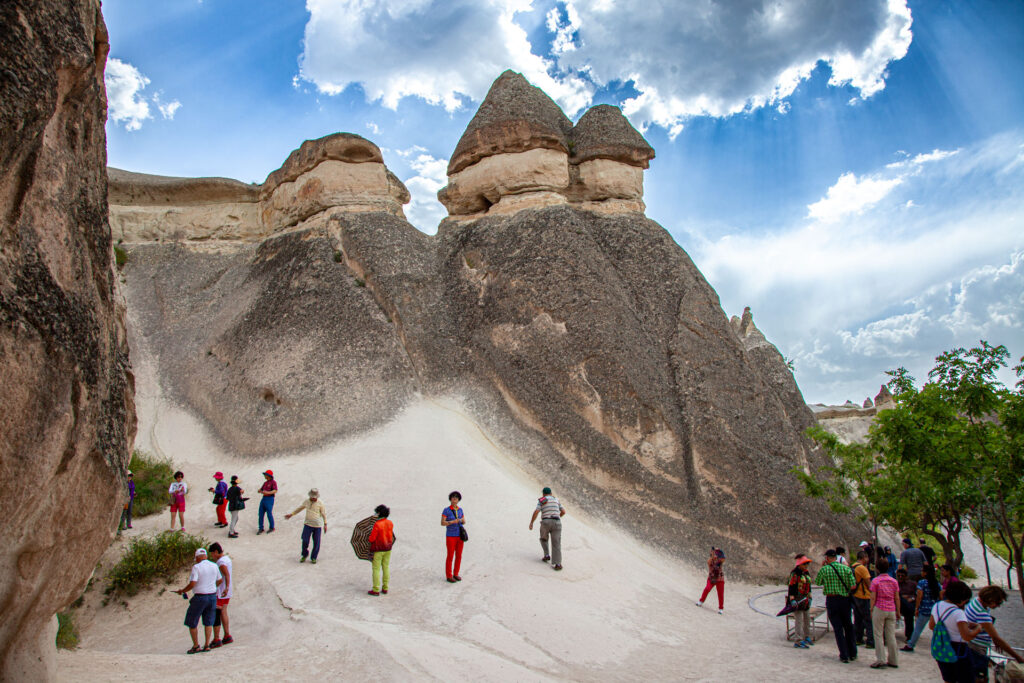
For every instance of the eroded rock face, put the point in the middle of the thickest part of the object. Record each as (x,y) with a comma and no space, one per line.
(68,411)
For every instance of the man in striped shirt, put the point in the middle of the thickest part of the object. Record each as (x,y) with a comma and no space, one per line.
(551,513)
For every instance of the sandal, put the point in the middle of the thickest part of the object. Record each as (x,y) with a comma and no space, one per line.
(227,639)
(879,665)
(194,649)
(205,649)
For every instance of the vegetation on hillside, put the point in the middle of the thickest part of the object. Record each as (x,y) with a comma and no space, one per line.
(152,477)
(146,559)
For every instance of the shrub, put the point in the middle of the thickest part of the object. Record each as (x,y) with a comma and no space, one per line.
(967,572)
(149,558)
(67,632)
(120,256)
(337,257)
(360,282)
(152,477)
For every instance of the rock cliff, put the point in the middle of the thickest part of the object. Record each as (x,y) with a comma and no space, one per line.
(68,411)
(573,329)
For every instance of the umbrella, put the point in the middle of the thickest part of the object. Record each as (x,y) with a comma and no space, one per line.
(787,609)
(361,538)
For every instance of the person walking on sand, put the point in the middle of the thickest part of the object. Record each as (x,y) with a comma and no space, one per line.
(800,601)
(316,521)
(716,578)
(126,514)
(177,491)
(551,513)
(203,605)
(382,538)
(928,593)
(453,518)
(220,499)
(885,612)
(235,503)
(268,491)
(837,580)
(224,592)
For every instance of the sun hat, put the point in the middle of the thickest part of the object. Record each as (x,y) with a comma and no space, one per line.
(546,491)
(218,476)
(268,473)
(864,544)
(803,559)
(130,473)
(201,552)
(314,493)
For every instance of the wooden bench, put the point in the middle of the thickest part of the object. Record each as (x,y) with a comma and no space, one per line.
(819,624)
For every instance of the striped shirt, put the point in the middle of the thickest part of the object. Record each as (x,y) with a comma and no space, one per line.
(549,507)
(835,579)
(979,614)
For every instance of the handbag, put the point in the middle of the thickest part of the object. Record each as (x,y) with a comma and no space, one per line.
(218,499)
(462,533)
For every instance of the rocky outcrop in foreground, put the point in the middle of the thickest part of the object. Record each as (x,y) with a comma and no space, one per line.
(68,412)
(574,330)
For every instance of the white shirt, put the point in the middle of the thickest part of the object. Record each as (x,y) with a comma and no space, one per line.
(954,616)
(178,487)
(205,574)
(225,561)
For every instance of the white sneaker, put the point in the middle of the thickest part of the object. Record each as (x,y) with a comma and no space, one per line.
(720,611)
(699,603)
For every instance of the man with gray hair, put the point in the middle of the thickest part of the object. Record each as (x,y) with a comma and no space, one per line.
(204,578)
(551,513)
(316,520)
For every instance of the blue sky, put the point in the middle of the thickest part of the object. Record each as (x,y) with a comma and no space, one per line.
(851,171)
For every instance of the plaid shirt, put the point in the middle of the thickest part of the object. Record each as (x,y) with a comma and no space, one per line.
(835,579)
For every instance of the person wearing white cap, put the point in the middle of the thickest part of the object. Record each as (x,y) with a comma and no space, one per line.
(205,578)
(316,520)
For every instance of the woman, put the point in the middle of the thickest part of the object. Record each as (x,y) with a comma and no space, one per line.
(220,492)
(928,590)
(452,517)
(800,599)
(891,559)
(716,578)
(885,612)
(382,538)
(947,577)
(235,503)
(177,491)
(949,611)
(978,612)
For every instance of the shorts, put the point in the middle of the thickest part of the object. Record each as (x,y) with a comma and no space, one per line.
(204,606)
(222,602)
(178,506)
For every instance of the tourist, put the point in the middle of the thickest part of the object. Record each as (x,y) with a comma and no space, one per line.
(837,580)
(913,560)
(268,490)
(177,491)
(204,578)
(126,513)
(978,611)
(453,518)
(800,601)
(891,559)
(225,589)
(220,492)
(949,612)
(929,552)
(885,611)
(551,513)
(382,538)
(908,596)
(863,630)
(235,503)
(947,577)
(316,520)
(928,593)
(841,555)
(716,578)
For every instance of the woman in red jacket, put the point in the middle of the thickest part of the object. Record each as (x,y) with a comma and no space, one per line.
(382,537)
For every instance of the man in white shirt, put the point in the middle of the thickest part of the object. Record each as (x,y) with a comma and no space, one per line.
(224,592)
(204,579)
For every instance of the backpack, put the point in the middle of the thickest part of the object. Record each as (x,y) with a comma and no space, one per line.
(943,649)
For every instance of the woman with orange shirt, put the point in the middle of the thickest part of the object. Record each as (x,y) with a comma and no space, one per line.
(382,537)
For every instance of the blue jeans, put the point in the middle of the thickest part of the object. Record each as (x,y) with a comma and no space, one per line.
(919,623)
(313,531)
(267,508)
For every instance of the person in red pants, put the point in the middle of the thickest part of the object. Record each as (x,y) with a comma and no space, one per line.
(220,499)
(452,518)
(716,578)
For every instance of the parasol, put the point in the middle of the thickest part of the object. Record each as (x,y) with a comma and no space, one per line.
(361,538)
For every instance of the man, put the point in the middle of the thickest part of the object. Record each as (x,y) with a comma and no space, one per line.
(929,552)
(862,624)
(126,514)
(204,579)
(912,559)
(908,600)
(316,520)
(979,611)
(551,513)
(224,591)
(267,491)
(836,580)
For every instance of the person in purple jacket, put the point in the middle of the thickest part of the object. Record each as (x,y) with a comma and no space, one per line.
(126,513)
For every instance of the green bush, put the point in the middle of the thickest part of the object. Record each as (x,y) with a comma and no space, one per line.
(967,572)
(67,632)
(152,477)
(149,558)
(120,256)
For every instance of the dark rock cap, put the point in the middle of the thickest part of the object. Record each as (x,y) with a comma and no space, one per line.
(127,187)
(514,117)
(338,146)
(604,133)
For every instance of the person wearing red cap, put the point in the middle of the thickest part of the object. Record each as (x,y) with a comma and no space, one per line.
(268,491)
(220,499)
(800,600)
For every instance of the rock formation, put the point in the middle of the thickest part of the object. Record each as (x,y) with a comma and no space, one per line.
(574,330)
(68,412)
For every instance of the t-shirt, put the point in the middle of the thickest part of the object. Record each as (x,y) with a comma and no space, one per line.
(908,589)
(715,572)
(449,514)
(382,536)
(863,577)
(131,489)
(234,498)
(913,559)
(886,590)
(927,599)
(977,613)
(950,615)
(205,574)
(221,488)
(270,486)
(225,561)
(929,553)
(316,513)
(549,507)
(178,489)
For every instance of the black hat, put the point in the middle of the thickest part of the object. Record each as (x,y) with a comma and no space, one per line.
(830,552)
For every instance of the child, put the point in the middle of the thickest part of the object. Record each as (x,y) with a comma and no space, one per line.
(382,537)
(177,491)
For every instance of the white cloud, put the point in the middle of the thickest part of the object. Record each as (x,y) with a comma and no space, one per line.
(430,175)
(126,103)
(850,195)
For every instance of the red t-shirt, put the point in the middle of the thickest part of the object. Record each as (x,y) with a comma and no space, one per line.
(270,486)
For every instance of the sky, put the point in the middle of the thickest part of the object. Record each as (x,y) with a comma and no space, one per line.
(853,172)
